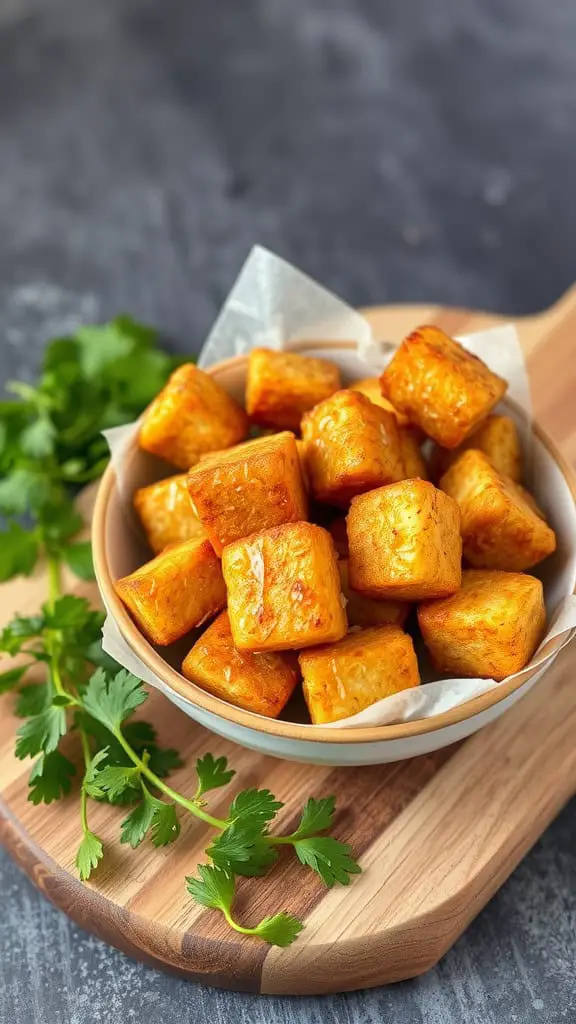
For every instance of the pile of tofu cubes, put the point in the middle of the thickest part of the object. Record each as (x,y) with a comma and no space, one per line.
(306,548)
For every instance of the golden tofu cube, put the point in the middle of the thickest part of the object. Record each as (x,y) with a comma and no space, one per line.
(175,592)
(337,530)
(497,437)
(489,629)
(166,513)
(262,683)
(531,500)
(342,679)
(365,611)
(249,488)
(284,589)
(352,446)
(282,386)
(370,386)
(440,386)
(411,453)
(405,542)
(191,415)
(500,529)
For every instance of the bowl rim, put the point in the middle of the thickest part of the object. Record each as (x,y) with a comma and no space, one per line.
(302,732)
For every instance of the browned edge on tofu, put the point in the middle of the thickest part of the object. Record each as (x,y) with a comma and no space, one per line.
(236,367)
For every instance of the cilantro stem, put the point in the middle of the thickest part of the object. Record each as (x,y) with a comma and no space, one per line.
(238,927)
(83,794)
(189,805)
(54,591)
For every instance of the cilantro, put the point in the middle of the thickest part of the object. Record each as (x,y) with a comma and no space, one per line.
(11,678)
(329,858)
(41,733)
(90,853)
(18,552)
(50,778)
(78,558)
(215,889)
(254,806)
(31,700)
(243,850)
(110,701)
(317,816)
(152,814)
(212,773)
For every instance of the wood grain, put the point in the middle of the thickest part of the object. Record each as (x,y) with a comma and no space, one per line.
(436,835)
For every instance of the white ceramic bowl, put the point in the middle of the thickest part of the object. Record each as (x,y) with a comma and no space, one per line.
(117,552)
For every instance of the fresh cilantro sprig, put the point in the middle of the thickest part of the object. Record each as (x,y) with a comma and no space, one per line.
(49,443)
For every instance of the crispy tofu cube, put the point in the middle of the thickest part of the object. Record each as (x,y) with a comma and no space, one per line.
(344,678)
(440,386)
(411,452)
(365,611)
(167,514)
(500,529)
(284,589)
(531,500)
(282,386)
(370,386)
(175,592)
(191,415)
(404,542)
(352,446)
(337,530)
(497,437)
(262,683)
(489,629)
(249,488)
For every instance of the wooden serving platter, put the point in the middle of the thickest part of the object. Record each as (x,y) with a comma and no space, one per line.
(436,835)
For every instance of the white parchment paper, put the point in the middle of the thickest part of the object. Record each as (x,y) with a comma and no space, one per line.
(273,304)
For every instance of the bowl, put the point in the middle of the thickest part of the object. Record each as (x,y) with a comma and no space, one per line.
(117,551)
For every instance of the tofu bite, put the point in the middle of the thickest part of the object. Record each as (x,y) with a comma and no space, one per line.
(282,386)
(412,459)
(352,446)
(175,592)
(440,386)
(250,488)
(365,611)
(344,678)
(166,513)
(262,683)
(497,437)
(405,542)
(284,589)
(370,386)
(500,529)
(489,629)
(191,415)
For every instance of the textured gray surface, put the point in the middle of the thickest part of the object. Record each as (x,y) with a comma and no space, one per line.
(397,151)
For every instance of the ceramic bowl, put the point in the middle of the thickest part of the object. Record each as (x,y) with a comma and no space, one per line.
(118,551)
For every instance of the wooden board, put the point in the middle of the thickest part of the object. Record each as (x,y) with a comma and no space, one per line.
(436,835)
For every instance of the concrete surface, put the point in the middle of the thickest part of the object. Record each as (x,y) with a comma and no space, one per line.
(396,151)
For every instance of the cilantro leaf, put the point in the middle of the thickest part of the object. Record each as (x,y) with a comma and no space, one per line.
(50,778)
(212,773)
(23,489)
(95,653)
(11,678)
(19,631)
(165,824)
(112,781)
(38,439)
(329,858)
(41,733)
(90,853)
(242,850)
(136,825)
(317,816)
(69,612)
(279,930)
(214,888)
(163,760)
(257,806)
(18,552)
(78,558)
(112,699)
(31,700)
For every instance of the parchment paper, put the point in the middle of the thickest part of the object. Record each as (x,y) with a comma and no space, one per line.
(273,304)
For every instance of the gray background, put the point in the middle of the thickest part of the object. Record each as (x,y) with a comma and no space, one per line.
(402,150)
